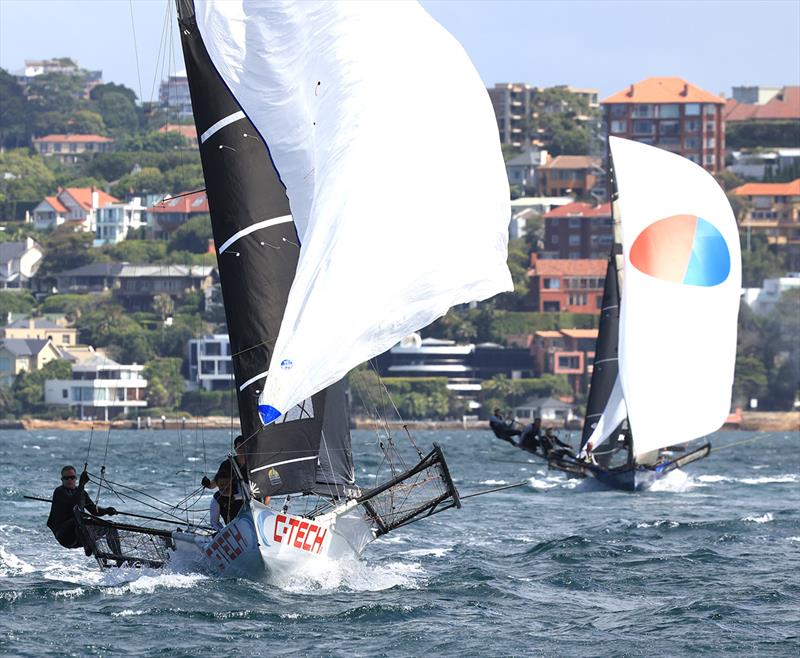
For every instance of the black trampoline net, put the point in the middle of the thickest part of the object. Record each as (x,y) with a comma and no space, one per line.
(119,544)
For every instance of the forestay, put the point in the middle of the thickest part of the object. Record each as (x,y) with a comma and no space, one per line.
(384,136)
(680,301)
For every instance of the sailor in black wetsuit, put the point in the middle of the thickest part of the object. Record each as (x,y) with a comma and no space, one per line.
(529,440)
(553,447)
(62,511)
(502,428)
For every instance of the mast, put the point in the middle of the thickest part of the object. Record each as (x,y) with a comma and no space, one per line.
(605,372)
(257,251)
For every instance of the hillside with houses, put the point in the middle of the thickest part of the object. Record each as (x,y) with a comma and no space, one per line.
(110,297)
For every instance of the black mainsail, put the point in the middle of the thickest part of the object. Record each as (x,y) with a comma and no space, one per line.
(257,251)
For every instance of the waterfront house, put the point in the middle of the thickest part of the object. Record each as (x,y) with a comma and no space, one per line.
(115,220)
(551,411)
(773,210)
(576,175)
(100,388)
(19,261)
(210,365)
(165,217)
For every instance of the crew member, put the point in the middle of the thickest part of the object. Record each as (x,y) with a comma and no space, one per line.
(553,447)
(529,439)
(502,428)
(225,504)
(66,498)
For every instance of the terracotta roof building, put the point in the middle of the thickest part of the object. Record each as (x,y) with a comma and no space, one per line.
(578,230)
(67,148)
(569,174)
(783,106)
(189,133)
(672,114)
(567,285)
(568,352)
(774,209)
(76,205)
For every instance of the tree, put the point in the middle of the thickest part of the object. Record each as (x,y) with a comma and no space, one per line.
(99,91)
(24,177)
(518,264)
(760,261)
(66,250)
(163,305)
(15,117)
(28,387)
(119,112)
(563,121)
(57,92)
(165,382)
(193,236)
(148,180)
(15,302)
(86,122)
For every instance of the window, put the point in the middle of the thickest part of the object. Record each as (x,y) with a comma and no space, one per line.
(619,126)
(709,126)
(692,109)
(554,238)
(551,307)
(599,301)
(568,362)
(710,142)
(691,143)
(692,126)
(619,110)
(709,108)
(577,299)
(669,111)
(669,128)
(551,284)
(709,159)
(207,367)
(574,222)
(643,110)
(65,339)
(643,127)
(212,349)
(574,240)
(64,393)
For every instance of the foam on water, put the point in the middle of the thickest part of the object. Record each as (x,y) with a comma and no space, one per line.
(676,481)
(11,565)
(765,518)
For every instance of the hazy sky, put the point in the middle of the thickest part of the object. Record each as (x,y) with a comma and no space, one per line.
(605,44)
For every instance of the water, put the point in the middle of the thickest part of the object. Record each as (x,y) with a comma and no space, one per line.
(708,564)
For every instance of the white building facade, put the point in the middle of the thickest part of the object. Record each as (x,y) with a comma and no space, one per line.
(210,364)
(100,388)
(116,220)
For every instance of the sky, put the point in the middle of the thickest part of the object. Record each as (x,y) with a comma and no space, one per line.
(601,44)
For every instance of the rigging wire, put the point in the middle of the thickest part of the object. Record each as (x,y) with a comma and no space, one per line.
(136,52)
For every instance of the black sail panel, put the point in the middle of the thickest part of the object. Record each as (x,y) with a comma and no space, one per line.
(606,356)
(257,251)
(335,474)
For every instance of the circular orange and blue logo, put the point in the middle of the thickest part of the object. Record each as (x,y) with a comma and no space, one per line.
(682,249)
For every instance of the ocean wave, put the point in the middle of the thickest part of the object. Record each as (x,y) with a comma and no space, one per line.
(676,481)
(355,575)
(424,552)
(493,482)
(764,518)
(147,584)
(711,479)
(658,524)
(775,479)
(11,565)
(128,613)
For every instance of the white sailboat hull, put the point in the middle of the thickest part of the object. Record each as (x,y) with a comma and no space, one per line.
(261,542)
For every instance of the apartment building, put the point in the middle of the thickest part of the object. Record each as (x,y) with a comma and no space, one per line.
(559,285)
(578,230)
(210,364)
(574,175)
(774,210)
(672,114)
(69,148)
(115,220)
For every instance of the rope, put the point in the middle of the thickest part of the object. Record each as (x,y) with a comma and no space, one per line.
(758,437)
(136,52)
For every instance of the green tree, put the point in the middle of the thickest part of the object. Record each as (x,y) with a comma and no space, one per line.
(165,382)
(118,112)
(15,302)
(86,122)
(14,113)
(193,236)
(163,305)
(99,91)
(24,177)
(57,92)
(66,250)
(28,387)
(760,261)
(148,180)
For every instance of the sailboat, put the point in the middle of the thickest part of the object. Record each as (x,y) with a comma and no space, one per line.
(666,345)
(309,114)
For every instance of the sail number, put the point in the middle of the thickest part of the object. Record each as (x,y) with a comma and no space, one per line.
(304,535)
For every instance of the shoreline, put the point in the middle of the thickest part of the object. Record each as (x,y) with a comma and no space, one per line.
(758,421)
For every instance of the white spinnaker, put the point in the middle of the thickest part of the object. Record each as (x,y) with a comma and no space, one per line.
(677,341)
(383,133)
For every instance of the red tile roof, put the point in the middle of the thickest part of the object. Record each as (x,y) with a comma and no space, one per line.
(72,139)
(663,90)
(190,203)
(580,209)
(769,189)
(189,132)
(83,197)
(55,203)
(572,162)
(567,266)
(783,106)
(548,334)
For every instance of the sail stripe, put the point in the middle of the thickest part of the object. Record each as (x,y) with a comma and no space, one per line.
(606,360)
(219,125)
(254,227)
(260,375)
(287,461)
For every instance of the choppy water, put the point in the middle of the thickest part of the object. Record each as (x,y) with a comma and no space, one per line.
(709,564)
